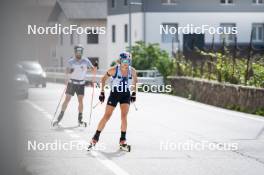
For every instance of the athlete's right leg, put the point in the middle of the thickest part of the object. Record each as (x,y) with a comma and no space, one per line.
(71,88)
(63,108)
(66,102)
(70,91)
(107,115)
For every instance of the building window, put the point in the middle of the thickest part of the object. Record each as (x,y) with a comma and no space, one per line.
(126,32)
(113,3)
(227,2)
(168,2)
(227,31)
(113,33)
(169,32)
(258,32)
(61,39)
(92,37)
(125,2)
(258,2)
(71,39)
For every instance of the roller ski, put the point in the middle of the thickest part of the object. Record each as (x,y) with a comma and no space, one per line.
(57,121)
(92,145)
(124,146)
(80,122)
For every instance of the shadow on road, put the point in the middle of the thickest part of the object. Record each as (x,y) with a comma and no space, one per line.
(117,153)
(62,128)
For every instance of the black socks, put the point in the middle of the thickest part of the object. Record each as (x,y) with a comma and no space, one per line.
(80,116)
(123,135)
(60,116)
(97,135)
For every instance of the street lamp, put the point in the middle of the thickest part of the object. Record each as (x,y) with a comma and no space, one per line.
(130,21)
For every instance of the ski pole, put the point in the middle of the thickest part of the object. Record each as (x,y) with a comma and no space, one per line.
(59,102)
(135,106)
(96,105)
(91,107)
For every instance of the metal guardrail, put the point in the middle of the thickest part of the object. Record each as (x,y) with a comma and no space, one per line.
(141,73)
(148,77)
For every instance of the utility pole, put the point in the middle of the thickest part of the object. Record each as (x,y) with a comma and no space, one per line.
(130,4)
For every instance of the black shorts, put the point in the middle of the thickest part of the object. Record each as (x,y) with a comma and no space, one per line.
(118,97)
(75,88)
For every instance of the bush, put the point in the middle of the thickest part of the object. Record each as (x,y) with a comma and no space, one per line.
(151,57)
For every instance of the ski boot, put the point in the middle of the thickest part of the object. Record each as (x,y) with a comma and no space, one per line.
(80,122)
(56,122)
(92,144)
(124,146)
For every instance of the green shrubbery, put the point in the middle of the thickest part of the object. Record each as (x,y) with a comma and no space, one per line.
(151,57)
(223,68)
(217,66)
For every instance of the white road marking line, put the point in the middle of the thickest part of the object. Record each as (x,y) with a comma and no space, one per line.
(68,131)
(83,142)
(44,113)
(97,155)
(74,135)
(108,163)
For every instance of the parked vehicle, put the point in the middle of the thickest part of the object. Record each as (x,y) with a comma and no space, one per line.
(35,73)
(21,83)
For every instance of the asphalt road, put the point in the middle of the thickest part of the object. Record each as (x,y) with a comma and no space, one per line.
(157,133)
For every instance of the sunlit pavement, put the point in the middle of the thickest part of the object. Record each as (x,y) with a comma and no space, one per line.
(161,123)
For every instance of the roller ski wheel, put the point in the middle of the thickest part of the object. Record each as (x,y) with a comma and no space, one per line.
(92,145)
(55,124)
(82,124)
(124,146)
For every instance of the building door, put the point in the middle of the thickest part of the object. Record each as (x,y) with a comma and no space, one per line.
(190,41)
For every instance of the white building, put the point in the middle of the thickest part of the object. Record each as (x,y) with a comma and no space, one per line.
(83,13)
(147,18)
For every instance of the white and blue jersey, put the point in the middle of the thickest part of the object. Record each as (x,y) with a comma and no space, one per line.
(79,68)
(119,82)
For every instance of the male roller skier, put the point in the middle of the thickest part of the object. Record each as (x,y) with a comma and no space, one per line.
(76,70)
(123,82)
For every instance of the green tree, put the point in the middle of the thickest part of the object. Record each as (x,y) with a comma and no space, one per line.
(150,56)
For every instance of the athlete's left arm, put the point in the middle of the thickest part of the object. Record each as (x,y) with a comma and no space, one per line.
(135,80)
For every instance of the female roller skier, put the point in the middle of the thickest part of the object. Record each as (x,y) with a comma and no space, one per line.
(123,83)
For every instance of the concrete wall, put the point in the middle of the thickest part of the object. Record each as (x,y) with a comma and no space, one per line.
(218,94)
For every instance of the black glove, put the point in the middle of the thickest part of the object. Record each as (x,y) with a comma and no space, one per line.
(102,97)
(133,97)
